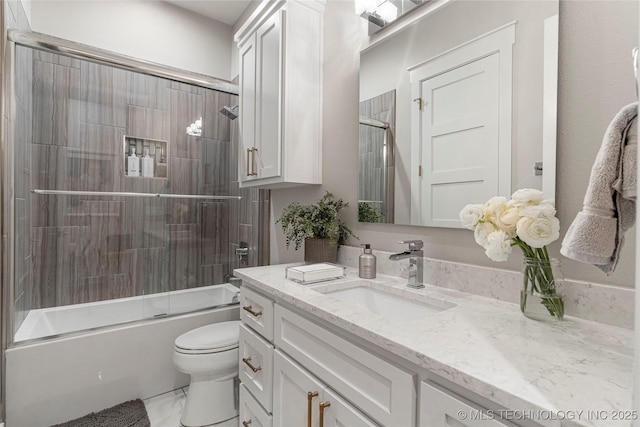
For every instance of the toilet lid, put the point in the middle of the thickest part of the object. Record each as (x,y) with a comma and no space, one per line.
(219,337)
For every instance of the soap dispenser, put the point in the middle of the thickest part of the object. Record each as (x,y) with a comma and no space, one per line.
(367,263)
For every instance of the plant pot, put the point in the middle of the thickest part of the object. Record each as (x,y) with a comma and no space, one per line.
(541,296)
(320,250)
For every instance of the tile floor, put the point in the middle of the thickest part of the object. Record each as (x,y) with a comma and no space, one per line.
(165,409)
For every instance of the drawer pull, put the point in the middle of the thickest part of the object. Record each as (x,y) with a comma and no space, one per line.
(323,405)
(310,396)
(250,310)
(247,361)
(246,423)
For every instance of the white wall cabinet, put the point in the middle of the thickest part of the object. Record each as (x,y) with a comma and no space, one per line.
(280,106)
(300,399)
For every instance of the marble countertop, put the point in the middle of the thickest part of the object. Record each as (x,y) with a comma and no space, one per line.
(570,373)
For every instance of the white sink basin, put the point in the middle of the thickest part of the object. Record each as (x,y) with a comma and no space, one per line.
(392,306)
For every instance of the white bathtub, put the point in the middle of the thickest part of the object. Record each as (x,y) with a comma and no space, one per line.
(50,381)
(60,320)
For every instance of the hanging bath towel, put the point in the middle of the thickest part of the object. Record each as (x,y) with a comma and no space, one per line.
(597,233)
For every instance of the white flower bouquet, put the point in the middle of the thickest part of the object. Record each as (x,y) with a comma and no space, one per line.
(526,221)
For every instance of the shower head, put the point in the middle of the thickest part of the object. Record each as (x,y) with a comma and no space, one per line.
(230,112)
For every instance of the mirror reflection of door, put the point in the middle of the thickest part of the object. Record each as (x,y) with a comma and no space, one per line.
(459,121)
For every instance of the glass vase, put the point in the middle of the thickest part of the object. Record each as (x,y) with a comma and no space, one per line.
(541,295)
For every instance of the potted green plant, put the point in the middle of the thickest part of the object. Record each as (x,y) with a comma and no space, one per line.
(318,225)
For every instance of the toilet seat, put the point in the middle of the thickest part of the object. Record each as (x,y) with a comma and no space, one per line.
(214,338)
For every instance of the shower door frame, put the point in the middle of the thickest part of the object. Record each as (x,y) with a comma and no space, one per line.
(72,49)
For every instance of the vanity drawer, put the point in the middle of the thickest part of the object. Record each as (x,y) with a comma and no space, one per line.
(256,366)
(251,413)
(257,311)
(441,408)
(383,391)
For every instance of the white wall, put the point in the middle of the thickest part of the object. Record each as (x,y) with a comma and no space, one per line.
(595,81)
(155,31)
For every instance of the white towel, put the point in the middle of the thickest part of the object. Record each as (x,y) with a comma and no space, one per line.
(597,233)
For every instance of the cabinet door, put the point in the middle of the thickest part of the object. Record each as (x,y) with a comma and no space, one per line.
(247,109)
(269,39)
(441,409)
(296,394)
(336,412)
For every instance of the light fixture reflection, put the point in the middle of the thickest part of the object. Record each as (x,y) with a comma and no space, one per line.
(195,128)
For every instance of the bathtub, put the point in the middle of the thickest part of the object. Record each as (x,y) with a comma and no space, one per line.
(70,318)
(50,381)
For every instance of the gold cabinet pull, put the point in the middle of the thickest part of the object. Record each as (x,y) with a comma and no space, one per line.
(310,396)
(247,361)
(249,309)
(253,162)
(323,405)
(246,423)
(248,160)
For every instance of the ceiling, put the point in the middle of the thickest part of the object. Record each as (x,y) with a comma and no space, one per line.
(227,11)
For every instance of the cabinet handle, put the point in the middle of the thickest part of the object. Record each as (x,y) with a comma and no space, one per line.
(250,310)
(253,162)
(310,396)
(247,361)
(249,150)
(323,405)
(246,423)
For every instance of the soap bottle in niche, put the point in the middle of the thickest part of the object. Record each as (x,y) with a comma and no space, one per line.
(367,264)
(133,163)
(147,164)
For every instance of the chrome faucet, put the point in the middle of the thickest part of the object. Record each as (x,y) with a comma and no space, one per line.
(416,263)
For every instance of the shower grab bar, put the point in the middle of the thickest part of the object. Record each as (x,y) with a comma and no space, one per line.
(121,194)
(82,51)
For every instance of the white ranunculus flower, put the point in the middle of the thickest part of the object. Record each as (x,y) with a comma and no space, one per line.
(538,232)
(526,196)
(470,215)
(482,231)
(543,210)
(494,205)
(506,218)
(498,246)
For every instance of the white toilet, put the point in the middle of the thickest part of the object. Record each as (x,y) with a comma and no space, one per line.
(210,355)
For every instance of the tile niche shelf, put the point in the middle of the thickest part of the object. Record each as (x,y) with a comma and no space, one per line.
(151,157)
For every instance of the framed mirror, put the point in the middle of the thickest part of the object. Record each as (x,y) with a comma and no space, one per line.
(465,102)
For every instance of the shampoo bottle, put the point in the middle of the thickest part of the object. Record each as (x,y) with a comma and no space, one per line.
(133,163)
(367,264)
(147,164)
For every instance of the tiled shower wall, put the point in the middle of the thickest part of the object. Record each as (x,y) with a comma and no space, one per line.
(375,177)
(91,248)
(15,17)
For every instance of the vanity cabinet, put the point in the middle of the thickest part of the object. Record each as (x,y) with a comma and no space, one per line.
(280,105)
(347,384)
(300,399)
(441,408)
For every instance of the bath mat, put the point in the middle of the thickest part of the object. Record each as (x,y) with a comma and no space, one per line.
(127,414)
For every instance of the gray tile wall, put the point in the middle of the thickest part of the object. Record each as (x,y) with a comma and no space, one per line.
(15,17)
(373,173)
(90,248)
